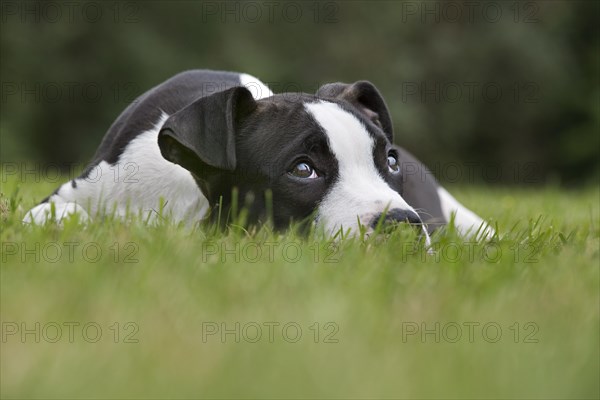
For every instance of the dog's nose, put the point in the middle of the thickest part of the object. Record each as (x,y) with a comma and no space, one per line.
(397,215)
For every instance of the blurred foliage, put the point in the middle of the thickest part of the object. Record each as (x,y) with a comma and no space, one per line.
(68,71)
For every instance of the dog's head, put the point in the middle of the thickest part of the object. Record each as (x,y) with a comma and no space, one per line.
(327,156)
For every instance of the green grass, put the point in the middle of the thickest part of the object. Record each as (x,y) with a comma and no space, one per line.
(537,281)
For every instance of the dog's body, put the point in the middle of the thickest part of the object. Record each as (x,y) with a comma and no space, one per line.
(181,148)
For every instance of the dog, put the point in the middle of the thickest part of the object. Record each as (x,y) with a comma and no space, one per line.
(195,144)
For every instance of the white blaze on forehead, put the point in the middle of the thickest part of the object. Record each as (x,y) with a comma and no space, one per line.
(348,138)
(360,191)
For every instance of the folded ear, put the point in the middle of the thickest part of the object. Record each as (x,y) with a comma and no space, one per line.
(366,98)
(201,136)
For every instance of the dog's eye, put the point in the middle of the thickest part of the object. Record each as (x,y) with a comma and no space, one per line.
(393,165)
(304,171)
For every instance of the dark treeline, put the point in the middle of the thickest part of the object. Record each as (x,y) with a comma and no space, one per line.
(499,92)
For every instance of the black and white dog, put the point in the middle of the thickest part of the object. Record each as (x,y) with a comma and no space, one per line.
(183,146)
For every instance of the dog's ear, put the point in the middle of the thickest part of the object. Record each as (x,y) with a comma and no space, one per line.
(201,136)
(366,98)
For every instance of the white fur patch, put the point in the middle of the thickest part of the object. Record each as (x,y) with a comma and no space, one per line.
(258,89)
(137,183)
(465,220)
(360,192)
(39,214)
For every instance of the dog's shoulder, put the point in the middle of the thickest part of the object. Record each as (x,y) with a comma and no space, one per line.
(166,98)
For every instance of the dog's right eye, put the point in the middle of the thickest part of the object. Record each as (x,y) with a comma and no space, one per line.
(304,170)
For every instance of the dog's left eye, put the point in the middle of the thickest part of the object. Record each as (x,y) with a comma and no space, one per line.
(392,163)
(304,170)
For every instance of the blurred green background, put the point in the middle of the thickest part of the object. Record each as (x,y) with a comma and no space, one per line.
(508,89)
(503,93)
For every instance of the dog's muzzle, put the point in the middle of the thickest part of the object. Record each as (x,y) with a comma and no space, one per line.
(395,216)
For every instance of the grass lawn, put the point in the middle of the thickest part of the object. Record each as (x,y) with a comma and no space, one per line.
(115,310)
